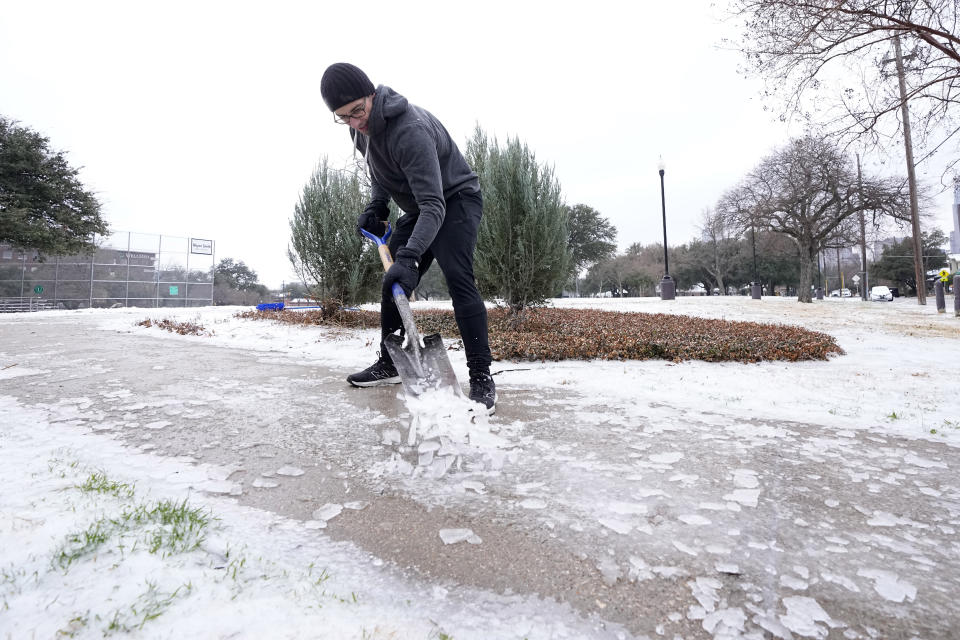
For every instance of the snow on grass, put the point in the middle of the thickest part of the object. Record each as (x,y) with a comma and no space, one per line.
(99,541)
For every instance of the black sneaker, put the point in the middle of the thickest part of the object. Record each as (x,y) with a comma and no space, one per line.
(380,372)
(484,391)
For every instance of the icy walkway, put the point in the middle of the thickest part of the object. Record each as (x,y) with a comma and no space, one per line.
(626,499)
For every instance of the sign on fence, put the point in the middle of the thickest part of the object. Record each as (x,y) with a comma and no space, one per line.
(204,247)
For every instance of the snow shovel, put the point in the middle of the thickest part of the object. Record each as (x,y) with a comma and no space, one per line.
(421,361)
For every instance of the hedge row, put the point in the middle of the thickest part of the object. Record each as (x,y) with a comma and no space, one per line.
(587,334)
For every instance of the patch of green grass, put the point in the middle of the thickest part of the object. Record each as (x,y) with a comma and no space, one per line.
(74,626)
(82,543)
(893,416)
(148,606)
(164,527)
(98,482)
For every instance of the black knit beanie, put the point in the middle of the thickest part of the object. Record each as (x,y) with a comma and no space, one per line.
(343,83)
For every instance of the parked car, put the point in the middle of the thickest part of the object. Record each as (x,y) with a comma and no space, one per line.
(895,291)
(881,293)
(840,293)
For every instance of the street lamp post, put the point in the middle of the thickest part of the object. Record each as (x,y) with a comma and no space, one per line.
(668,288)
(756,289)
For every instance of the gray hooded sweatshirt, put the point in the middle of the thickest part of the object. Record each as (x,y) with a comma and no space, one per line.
(412,159)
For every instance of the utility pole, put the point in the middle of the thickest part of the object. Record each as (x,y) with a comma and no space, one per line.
(912,180)
(863,234)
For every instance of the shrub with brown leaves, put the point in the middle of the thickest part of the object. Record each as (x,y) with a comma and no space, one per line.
(183,328)
(588,334)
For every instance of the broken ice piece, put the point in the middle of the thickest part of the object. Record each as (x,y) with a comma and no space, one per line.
(425,459)
(440,466)
(609,570)
(619,526)
(727,567)
(222,487)
(428,445)
(260,483)
(327,512)
(470,485)
(533,503)
(391,436)
(315,524)
(453,536)
(746,497)
(356,506)
(447,448)
(290,471)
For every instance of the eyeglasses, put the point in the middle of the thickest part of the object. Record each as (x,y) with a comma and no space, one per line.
(357,112)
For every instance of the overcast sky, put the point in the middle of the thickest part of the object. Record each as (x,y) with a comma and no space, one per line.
(204,119)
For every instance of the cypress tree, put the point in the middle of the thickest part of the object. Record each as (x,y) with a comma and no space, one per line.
(522,255)
(333,260)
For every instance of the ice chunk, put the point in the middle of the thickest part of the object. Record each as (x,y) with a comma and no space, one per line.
(745,478)
(454,536)
(533,503)
(328,512)
(391,436)
(610,571)
(619,526)
(727,567)
(693,519)
(628,508)
(843,581)
(889,585)
(470,485)
(222,487)
(261,483)
(792,582)
(529,487)
(917,461)
(669,457)
(428,445)
(290,471)
(802,616)
(705,592)
(639,570)
(158,424)
(440,466)
(746,497)
(356,505)
(725,623)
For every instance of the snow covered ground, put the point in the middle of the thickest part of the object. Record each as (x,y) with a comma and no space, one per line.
(231,485)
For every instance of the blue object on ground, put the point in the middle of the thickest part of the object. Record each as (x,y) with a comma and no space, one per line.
(270,306)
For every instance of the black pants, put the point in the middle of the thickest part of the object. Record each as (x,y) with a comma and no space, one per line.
(452,248)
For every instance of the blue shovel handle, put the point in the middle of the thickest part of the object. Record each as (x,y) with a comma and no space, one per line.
(385,257)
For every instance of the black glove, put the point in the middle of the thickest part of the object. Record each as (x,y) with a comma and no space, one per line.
(373,222)
(403,271)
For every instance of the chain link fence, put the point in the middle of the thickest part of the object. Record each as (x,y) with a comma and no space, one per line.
(127,270)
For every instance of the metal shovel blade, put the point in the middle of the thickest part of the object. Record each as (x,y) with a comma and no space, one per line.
(430,371)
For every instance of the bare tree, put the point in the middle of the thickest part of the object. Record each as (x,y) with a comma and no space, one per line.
(834,63)
(720,235)
(808,191)
(828,60)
